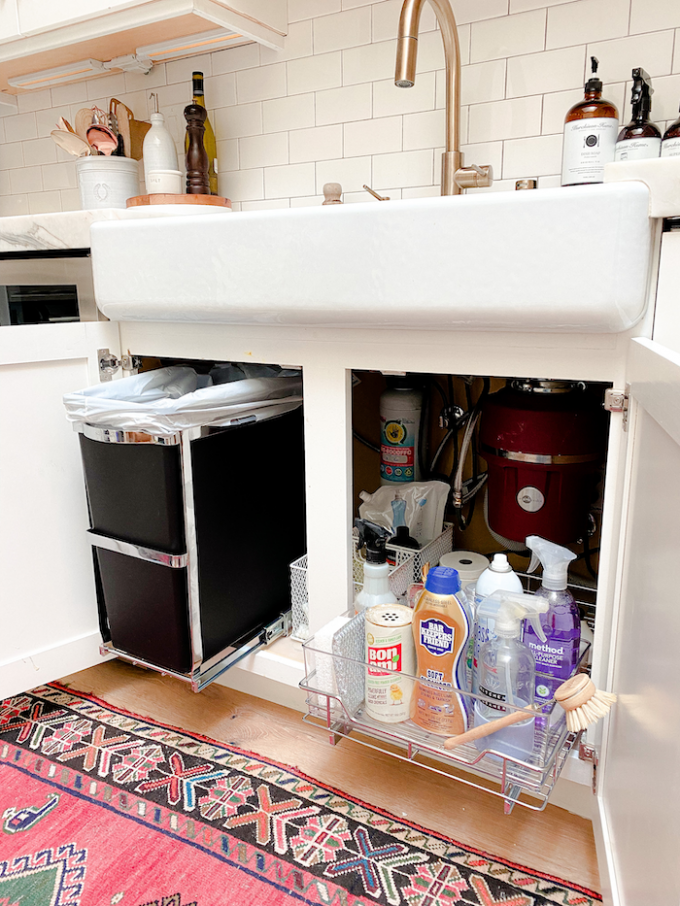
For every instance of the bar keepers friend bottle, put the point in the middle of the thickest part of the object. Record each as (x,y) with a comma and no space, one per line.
(441,629)
(590,131)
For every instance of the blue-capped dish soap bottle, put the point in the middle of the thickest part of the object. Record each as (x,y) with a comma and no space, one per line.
(441,628)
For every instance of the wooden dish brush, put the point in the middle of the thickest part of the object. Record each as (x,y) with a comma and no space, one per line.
(583,703)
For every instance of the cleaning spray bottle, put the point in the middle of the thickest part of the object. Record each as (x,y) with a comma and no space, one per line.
(558,653)
(641,138)
(441,628)
(498,576)
(376,587)
(508,673)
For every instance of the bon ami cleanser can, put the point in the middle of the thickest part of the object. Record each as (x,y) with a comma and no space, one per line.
(390,652)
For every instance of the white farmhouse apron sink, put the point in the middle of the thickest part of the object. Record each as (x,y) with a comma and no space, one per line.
(575,260)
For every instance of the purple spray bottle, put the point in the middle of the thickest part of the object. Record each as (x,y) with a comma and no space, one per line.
(556,658)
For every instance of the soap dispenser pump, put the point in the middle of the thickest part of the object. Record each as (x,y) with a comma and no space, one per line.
(640,139)
(590,130)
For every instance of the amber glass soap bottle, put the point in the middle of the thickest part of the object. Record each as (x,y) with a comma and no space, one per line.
(641,138)
(590,130)
(670,146)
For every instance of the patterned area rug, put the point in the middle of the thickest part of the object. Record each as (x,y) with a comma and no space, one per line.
(99,806)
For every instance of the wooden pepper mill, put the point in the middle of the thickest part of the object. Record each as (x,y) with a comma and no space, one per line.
(197,163)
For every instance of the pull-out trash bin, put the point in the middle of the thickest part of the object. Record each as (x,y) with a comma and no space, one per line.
(195,489)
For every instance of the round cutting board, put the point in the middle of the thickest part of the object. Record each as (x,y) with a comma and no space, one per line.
(166,198)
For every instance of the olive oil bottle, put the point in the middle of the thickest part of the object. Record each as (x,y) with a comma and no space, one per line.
(590,130)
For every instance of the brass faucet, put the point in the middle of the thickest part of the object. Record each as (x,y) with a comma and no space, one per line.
(455,177)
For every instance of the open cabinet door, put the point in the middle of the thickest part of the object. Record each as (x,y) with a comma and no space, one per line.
(48,613)
(639,773)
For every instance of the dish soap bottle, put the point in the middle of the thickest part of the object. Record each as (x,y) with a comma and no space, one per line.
(557,655)
(640,139)
(590,130)
(507,674)
(441,628)
(498,576)
(158,151)
(670,145)
(376,587)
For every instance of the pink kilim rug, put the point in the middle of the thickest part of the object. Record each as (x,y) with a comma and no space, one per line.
(99,807)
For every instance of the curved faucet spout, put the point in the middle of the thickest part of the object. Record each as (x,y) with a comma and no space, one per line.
(405,76)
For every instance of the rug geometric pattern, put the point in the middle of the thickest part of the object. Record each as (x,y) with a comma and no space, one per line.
(100,806)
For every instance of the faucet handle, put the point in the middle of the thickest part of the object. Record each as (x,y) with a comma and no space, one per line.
(474,177)
(332,192)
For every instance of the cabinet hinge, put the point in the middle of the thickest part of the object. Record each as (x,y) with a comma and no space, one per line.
(589,753)
(109,364)
(617,401)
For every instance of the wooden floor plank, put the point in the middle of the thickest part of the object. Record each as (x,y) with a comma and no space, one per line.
(554,841)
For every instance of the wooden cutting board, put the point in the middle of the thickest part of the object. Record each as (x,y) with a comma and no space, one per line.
(165,198)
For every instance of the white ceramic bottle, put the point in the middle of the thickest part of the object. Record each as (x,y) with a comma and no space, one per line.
(158,151)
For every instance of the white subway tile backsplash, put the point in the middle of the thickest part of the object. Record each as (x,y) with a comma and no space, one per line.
(514,118)
(388,100)
(553,70)
(245,56)
(345,29)
(59,176)
(261,83)
(295,112)
(652,15)
(263,150)
(308,9)
(294,179)
(341,105)
(528,157)
(475,10)
(385,18)
(369,63)
(315,73)
(373,136)
(22,127)
(508,36)
(482,82)
(406,168)
(34,100)
(238,121)
(241,185)
(325,108)
(424,130)
(306,201)
(28,179)
(39,151)
(351,173)
(319,143)
(11,156)
(297,43)
(586,20)
(617,58)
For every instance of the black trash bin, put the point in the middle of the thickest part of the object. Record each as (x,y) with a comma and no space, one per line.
(193,532)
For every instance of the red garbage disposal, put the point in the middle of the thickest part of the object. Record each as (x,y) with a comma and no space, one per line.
(544,443)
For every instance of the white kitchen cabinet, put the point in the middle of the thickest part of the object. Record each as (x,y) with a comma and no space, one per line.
(45,35)
(638,622)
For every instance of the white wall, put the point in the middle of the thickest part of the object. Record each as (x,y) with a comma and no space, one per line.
(326,109)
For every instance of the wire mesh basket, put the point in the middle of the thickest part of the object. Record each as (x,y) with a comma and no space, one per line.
(407,569)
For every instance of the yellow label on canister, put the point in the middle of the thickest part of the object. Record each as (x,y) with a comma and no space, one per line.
(390,653)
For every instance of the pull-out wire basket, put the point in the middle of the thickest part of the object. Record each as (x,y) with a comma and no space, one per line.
(335,683)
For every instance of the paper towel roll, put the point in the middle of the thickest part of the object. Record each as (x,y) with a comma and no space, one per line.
(470,565)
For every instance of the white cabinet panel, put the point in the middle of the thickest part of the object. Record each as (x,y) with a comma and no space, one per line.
(36,15)
(48,613)
(639,790)
(9,20)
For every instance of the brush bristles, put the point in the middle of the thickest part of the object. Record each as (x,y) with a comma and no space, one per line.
(590,712)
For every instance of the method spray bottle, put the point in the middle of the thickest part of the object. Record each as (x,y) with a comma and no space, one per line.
(508,673)
(558,653)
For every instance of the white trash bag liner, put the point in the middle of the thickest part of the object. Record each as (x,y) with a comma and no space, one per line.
(172,399)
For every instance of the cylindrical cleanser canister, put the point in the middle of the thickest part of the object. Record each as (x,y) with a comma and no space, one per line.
(389,654)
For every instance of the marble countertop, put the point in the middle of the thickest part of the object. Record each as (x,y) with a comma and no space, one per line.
(71,229)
